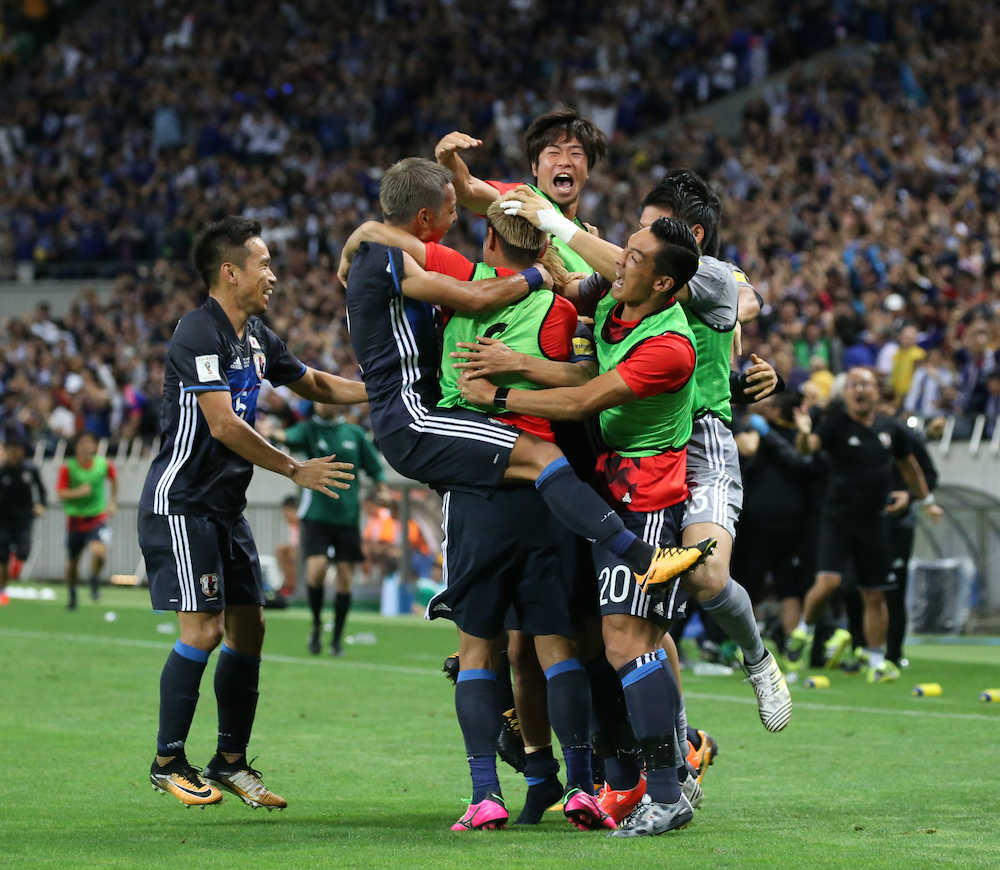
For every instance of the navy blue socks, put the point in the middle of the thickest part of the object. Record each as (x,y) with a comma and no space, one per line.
(476,706)
(179,683)
(569,712)
(586,514)
(236,679)
(652,698)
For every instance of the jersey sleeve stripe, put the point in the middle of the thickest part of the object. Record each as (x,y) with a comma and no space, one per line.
(199,389)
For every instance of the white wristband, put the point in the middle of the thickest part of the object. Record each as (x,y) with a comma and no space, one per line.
(550,221)
(929,500)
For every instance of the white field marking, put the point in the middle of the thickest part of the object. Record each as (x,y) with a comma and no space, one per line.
(267,657)
(844,708)
(428,672)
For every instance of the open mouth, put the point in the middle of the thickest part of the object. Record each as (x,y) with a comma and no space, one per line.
(563,182)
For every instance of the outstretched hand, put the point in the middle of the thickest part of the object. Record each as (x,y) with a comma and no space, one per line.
(453,142)
(324,475)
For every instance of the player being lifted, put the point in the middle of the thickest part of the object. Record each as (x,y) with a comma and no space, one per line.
(199,550)
(711,303)
(393,307)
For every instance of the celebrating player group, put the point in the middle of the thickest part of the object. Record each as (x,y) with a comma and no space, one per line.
(569,399)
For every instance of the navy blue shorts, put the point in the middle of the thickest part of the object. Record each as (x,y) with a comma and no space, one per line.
(617,589)
(76,542)
(199,564)
(452,449)
(502,551)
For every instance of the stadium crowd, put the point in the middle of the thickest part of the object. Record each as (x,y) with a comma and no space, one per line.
(861,201)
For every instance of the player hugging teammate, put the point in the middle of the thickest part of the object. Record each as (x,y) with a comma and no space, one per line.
(647,391)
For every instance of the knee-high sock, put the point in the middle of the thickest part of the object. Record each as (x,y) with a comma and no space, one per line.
(505,689)
(341,606)
(569,710)
(476,706)
(236,679)
(179,683)
(652,698)
(316,603)
(732,610)
(586,514)
(614,740)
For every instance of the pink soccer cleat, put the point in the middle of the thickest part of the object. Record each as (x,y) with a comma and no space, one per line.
(585,812)
(489,814)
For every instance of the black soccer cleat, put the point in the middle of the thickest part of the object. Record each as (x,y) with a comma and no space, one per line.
(450,668)
(314,643)
(510,743)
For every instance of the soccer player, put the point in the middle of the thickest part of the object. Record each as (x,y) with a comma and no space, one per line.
(22,499)
(200,554)
(561,147)
(331,527)
(862,447)
(81,488)
(644,393)
(392,308)
(712,302)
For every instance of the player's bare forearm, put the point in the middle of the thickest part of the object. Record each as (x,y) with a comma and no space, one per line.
(748,306)
(559,403)
(465,297)
(913,474)
(601,255)
(388,235)
(245,441)
(551,373)
(327,389)
(470,192)
(73,492)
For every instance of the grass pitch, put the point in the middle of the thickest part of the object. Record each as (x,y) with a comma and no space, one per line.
(368,753)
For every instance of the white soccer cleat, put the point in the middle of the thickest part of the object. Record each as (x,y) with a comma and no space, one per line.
(774,703)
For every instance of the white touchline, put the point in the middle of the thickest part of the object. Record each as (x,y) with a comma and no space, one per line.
(436,673)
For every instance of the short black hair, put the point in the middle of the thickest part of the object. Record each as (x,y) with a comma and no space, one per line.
(565,123)
(690,198)
(221,242)
(678,253)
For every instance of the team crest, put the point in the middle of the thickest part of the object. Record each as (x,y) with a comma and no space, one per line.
(210,585)
(260,364)
(885,438)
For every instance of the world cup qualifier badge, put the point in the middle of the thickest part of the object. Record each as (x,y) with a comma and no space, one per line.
(210,585)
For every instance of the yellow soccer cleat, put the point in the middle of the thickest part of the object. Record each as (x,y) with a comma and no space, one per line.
(669,562)
(184,782)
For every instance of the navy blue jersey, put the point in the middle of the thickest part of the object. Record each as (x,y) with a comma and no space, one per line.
(194,473)
(396,341)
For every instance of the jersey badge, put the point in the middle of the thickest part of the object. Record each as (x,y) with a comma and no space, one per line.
(210,585)
(207,367)
(260,364)
(885,438)
(854,441)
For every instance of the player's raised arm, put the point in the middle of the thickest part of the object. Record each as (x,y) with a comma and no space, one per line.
(328,389)
(601,255)
(224,425)
(472,193)
(470,297)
